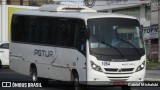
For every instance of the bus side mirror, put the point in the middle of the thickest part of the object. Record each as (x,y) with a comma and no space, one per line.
(85,32)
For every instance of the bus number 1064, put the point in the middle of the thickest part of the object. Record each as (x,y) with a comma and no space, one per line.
(105,63)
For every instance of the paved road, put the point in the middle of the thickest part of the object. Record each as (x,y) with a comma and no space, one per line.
(153,74)
(7,74)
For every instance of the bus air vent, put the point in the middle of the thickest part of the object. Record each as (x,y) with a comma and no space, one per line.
(55,8)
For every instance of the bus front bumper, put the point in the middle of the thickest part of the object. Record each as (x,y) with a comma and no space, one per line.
(101,78)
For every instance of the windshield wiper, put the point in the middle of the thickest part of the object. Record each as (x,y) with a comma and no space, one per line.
(113,47)
(126,42)
(131,45)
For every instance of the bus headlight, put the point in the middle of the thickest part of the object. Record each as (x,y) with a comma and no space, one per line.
(140,67)
(96,67)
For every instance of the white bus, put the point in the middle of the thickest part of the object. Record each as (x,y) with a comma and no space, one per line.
(70,43)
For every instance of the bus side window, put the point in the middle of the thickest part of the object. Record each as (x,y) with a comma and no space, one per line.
(74,34)
(44,32)
(18,28)
(33,29)
(71,33)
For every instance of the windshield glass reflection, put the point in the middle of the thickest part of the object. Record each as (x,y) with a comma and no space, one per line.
(114,32)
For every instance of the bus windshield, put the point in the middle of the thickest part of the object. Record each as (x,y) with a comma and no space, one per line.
(115,33)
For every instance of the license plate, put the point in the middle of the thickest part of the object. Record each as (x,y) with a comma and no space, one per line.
(119,83)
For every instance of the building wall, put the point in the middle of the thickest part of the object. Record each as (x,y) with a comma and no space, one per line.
(17,2)
(135,8)
(154,14)
(28,2)
(134,11)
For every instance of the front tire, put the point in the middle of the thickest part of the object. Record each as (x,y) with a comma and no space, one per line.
(0,64)
(75,80)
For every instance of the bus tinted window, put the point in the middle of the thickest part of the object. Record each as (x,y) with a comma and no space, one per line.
(46,30)
(18,28)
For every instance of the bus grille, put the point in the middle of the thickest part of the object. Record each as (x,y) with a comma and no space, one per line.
(125,78)
(119,70)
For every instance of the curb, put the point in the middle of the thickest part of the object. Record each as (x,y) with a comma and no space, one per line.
(152,79)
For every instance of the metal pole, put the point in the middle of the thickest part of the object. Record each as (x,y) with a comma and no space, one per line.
(159,27)
(0,19)
(3,20)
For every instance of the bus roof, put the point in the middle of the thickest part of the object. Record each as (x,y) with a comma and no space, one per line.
(81,15)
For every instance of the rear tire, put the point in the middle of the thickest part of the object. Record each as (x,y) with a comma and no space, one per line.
(35,77)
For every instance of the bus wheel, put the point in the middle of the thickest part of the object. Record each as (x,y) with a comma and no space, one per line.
(0,64)
(35,78)
(34,75)
(75,81)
